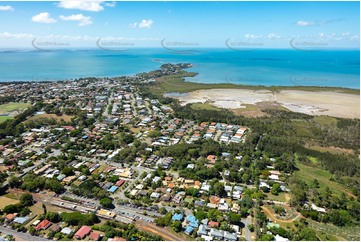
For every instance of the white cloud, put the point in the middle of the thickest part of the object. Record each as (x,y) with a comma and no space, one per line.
(146,23)
(83,20)
(92,6)
(253,36)
(43,18)
(305,23)
(133,25)
(354,37)
(6,8)
(333,21)
(273,36)
(15,36)
(110,4)
(318,23)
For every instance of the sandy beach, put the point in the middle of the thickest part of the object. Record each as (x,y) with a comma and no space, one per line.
(314,103)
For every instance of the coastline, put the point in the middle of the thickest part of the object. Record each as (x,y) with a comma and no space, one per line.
(178,84)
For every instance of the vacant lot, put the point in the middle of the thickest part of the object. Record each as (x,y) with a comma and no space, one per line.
(282,197)
(37,208)
(4,201)
(66,118)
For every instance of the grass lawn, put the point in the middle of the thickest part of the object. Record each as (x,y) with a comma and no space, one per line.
(12,196)
(280,197)
(4,201)
(37,208)
(10,107)
(309,173)
(100,169)
(4,118)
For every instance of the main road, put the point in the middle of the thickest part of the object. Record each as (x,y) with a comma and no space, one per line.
(21,236)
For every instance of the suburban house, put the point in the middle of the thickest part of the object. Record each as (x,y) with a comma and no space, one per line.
(82,232)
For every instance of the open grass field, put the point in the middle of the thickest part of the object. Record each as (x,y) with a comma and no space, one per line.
(309,173)
(4,201)
(37,208)
(280,197)
(66,118)
(10,107)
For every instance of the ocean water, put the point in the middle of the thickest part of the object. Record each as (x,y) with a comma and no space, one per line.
(269,67)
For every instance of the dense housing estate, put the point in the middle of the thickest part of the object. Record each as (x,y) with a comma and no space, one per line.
(103,147)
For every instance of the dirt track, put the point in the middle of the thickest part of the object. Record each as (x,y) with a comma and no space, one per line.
(158,231)
(269,213)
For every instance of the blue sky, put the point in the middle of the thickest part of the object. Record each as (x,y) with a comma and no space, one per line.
(181,24)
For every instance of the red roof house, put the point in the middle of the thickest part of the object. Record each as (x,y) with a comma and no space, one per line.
(94,236)
(43,225)
(119,183)
(10,217)
(82,232)
(213,224)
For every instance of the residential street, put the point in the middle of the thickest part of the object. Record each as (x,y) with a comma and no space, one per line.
(248,234)
(19,236)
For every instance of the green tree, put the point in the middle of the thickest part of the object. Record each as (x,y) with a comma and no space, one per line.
(106,202)
(267,237)
(15,182)
(53,217)
(26,199)
(219,189)
(68,171)
(176,226)
(276,188)
(164,221)
(192,191)
(234,218)
(200,215)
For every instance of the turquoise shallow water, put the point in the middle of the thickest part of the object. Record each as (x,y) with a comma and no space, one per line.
(338,68)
